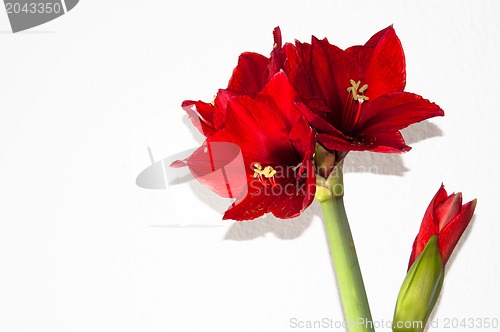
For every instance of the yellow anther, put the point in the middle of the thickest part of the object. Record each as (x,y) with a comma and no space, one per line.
(267,172)
(354,86)
(363,88)
(357,92)
(213,100)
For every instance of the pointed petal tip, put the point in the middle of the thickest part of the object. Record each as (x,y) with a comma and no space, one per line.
(178,164)
(315,39)
(440,112)
(277,37)
(459,199)
(388,29)
(470,205)
(226,217)
(442,191)
(435,110)
(187,103)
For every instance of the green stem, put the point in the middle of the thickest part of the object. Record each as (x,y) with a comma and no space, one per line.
(345,261)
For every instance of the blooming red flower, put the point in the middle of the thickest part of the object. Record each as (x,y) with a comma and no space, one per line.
(447,218)
(251,74)
(355,98)
(277,147)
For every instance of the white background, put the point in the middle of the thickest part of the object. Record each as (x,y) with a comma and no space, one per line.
(82,248)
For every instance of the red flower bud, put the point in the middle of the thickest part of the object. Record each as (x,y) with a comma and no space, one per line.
(447,218)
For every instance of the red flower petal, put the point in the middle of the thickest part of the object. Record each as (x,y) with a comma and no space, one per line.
(262,140)
(451,233)
(388,143)
(250,206)
(277,58)
(221,101)
(201,115)
(218,165)
(448,209)
(383,63)
(302,138)
(298,195)
(381,142)
(333,69)
(334,143)
(291,60)
(280,94)
(302,76)
(261,126)
(277,37)
(250,75)
(429,226)
(395,111)
(319,123)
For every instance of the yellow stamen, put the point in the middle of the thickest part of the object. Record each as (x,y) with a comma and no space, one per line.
(357,92)
(268,171)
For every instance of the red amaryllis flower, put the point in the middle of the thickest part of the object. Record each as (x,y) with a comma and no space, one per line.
(447,218)
(355,98)
(251,74)
(277,147)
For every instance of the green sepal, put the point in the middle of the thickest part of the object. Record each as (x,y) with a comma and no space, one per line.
(420,290)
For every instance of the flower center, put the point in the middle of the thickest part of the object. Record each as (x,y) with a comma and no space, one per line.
(262,173)
(355,100)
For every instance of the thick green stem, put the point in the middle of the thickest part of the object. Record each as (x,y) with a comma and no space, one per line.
(345,261)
